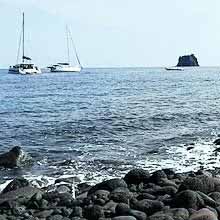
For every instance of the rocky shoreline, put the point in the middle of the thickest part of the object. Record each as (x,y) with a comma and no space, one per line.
(139,195)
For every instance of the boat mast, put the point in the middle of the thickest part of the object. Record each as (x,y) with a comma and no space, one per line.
(74,48)
(23,38)
(68,50)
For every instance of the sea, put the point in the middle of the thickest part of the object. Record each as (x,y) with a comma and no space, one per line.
(101,123)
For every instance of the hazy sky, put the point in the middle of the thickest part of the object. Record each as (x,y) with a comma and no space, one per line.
(113,33)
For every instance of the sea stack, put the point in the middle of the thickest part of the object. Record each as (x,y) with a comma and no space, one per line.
(188,60)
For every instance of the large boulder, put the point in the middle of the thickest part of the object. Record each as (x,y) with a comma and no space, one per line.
(22,193)
(200,183)
(108,185)
(157,176)
(137,176)
(17,183)
(188,60)
(16,157)
(187,199)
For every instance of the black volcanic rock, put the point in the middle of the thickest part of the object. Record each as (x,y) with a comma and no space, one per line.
(136,176)
(17,183)
(16,157)
(10,159)
(188,60)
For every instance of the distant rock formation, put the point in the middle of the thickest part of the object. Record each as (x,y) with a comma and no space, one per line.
(188,60)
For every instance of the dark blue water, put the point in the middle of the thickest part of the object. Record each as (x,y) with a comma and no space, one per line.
(105,121)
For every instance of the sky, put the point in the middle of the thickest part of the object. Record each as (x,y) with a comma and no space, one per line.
(112,33)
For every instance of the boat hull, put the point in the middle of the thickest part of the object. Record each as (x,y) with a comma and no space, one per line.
(173,69)
(28,71)
(66,69)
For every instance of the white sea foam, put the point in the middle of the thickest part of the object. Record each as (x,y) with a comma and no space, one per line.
(183,159)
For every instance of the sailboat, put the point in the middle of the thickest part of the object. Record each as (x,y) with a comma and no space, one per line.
(66,66)
(26,66)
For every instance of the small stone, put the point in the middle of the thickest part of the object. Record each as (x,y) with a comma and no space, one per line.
(55,217)
(94,212)
(203,214)
(3,217)
(43,214)
(77,212)
(63,189)
(124,218)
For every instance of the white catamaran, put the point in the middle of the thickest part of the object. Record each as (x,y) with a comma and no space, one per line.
(66,66)
(26,67)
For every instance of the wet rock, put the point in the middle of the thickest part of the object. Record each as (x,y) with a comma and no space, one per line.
(108,185)
(167,182)
(24,192)
(145,196)
(19,210)
(160,217)
(139,215)
(77,212)
(170,190)
(63,189)
(136,176)
(124,218)
(123,209)
(204,172)
(82,187)
(11,158)
(169,172)
(3,217)
(110,207)
(217,150)
(215,196)
(203,214)
(201,183)
(208,200)
(43,214)
(217,141)
(69,180)
(175,213)
(17,183)
(78,218)
(55,217)
(187,199)
(62,199)
(66,211)
(147,206)
(101,194)
(94,212)
(157,176)
(120,195)
(35,201)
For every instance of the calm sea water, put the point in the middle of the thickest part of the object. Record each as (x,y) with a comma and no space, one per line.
(102,122)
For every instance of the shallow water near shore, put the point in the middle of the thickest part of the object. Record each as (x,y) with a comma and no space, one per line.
(100,123)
